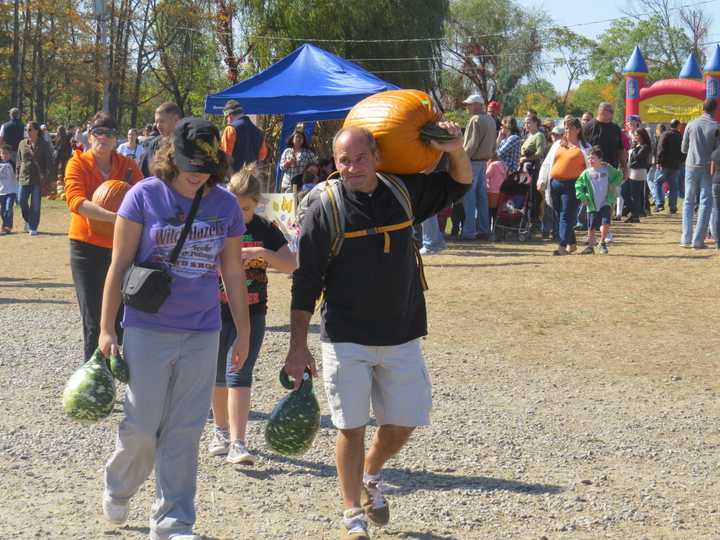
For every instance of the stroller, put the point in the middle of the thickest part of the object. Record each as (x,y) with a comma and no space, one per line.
(516,208)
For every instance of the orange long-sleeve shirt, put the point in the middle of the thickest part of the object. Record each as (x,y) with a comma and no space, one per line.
(82,178)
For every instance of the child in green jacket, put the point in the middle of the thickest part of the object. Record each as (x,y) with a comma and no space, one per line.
(595,189)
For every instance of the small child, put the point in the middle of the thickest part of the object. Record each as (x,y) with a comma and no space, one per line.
(263,246)
(596,190)
(495,175)
(8,189)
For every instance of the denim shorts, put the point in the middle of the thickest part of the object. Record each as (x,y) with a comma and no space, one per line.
(601,217)
(243,377)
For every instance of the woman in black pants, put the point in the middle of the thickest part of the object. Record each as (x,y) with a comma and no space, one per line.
(638,163)
(90,241)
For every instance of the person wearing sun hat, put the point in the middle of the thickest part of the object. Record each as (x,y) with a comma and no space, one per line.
(172,354)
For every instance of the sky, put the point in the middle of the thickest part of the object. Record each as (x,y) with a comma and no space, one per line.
(574,12)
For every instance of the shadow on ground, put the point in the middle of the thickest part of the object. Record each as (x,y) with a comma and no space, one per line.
(403,481)
(31,301)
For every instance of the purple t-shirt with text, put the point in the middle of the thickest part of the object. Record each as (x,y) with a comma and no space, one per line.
(192,304)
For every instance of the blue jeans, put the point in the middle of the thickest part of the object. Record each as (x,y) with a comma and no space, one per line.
(582,218)
(30,205)
(653,171)
(243,377)
(477,215)
(6,209)
(716,214)
(672,177)
(681,182)
(432,236)
(549,223)
(696,181)
(565,205)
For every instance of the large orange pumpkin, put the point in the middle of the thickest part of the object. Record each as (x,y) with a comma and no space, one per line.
(108,195)
(400,121)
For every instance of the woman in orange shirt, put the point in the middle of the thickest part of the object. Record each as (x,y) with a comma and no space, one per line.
(90,252)
(568,163)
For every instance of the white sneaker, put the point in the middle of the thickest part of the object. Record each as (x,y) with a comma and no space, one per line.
(354,525)
(116,513)
(219,443)
(33,232)
(185,537)
(239,453)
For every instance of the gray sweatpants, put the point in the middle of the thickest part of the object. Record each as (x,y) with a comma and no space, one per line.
(166,405)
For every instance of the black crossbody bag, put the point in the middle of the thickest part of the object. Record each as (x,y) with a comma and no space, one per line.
(146,287)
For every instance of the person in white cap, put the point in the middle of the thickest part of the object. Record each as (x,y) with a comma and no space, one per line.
(479,144)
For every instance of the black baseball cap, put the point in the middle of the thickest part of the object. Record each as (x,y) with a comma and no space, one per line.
(196,146)
(232,106)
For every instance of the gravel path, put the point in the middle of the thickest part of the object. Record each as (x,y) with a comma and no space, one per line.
(594,417)
(529,452)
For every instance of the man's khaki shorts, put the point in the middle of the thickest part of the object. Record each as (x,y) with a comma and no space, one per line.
(394,378)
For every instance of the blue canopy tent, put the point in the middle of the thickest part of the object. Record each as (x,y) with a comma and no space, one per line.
(308,84)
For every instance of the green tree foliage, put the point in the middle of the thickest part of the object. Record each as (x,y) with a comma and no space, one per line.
(589,94)
(494,44)
(539,95)
(409,64)
(616,44)
(572,54)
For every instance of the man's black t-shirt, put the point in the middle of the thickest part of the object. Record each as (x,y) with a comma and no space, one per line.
(371,297)
(259,233)
(607,136)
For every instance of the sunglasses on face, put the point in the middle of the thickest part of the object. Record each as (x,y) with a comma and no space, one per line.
(103,132)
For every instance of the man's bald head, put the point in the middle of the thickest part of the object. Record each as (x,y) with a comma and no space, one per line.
(356,158)
(355,133)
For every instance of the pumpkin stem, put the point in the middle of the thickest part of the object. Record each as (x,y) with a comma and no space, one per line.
(432,132)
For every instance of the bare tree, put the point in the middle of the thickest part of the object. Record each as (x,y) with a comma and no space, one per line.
(698,24)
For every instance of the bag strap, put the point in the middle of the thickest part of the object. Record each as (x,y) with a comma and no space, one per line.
(186,229)
(333,205)
(399,189)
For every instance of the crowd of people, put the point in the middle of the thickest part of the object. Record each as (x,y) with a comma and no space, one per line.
(627,175)
(190,212)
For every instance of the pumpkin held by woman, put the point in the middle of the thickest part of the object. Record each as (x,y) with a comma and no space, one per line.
(108,195)
(403,124)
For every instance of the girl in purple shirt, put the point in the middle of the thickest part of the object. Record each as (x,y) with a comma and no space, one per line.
(171,354)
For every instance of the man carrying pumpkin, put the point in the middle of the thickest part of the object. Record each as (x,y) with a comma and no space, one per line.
(373,312)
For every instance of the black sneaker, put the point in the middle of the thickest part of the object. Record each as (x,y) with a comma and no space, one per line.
(603,248)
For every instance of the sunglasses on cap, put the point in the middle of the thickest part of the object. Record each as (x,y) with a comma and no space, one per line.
(103,132)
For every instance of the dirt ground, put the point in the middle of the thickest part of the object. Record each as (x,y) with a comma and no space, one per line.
(575,397)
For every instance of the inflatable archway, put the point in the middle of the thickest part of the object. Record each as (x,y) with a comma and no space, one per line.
(680,98)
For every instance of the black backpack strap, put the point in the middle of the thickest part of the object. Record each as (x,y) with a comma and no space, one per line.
(188,224)
(398,188)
